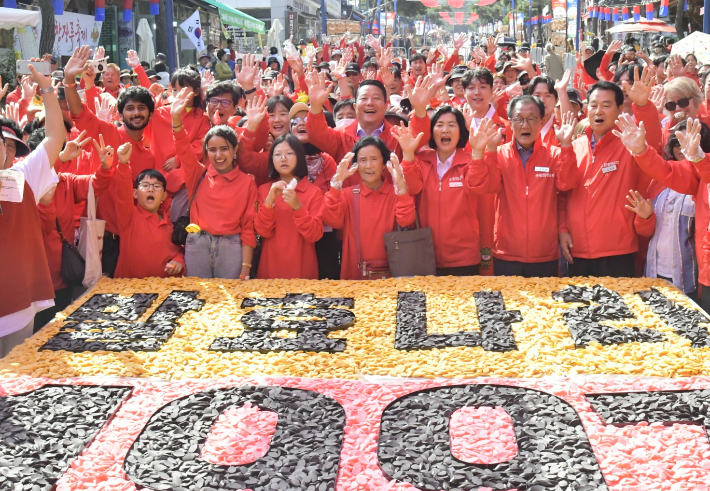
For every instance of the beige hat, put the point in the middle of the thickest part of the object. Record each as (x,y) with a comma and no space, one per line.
(297,108)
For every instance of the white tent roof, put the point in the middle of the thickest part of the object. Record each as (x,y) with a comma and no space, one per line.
(16,18)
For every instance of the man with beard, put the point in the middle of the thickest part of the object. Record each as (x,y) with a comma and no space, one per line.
(136,107)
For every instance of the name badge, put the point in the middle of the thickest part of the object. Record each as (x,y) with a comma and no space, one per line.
(609,168)
(542,169)
(455,184)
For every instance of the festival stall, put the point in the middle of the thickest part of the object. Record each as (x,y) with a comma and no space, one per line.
(406,384)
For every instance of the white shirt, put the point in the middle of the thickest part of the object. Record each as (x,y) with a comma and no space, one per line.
(442,167)
(666,232)
(40,177)
(489,115)
(547,127)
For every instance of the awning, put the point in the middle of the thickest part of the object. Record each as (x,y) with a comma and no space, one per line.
(235,18)
(18,18)
(643,25)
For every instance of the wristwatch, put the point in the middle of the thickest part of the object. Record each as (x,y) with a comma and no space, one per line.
(46,90)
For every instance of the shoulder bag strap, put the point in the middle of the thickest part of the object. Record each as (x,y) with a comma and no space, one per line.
(90,203)
(189,204)
(356,225)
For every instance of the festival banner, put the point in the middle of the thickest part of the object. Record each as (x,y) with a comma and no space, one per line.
(75,30)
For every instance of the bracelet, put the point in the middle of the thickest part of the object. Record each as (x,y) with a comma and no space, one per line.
(46,90)
(70,85)
(267,205)
(243,276)
(178,126)
(247,265)
(250,91)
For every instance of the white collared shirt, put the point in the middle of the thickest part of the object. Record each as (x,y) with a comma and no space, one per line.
(547,127)
(361,133)
(489,115)
(442,167)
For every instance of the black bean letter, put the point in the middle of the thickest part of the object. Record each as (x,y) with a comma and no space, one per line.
(495,335)
(43,431)
(553,450)
(303,455)
(119,334)
(683,321)
(584,323)
(309,317)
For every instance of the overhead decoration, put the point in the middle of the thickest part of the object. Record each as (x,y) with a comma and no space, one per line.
(127,10)
(456,4)
(649,11)
(483,3)
(10,4)
(446,17)
(430,3)
(154,7)
(615,14)
(474,16)
(459,17)
(625,13)
(663,11)
(100,10)
(58,6)
(637,13)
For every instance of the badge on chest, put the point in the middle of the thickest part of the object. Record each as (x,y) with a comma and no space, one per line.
(609,167)
(456,182)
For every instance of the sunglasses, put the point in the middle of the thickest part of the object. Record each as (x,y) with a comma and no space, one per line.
(297,121)
(683,103)
(524,81)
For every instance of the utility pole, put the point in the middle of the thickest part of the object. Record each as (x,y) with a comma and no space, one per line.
(172,53)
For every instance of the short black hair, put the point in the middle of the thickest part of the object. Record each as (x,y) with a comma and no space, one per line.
(660,59)
(301,169)
(373,141)
(605,85)
(369,64)
(341,104)
(226,87)
(376,83)
(187,77)
(153,173)
(543,79)
(276,100)
(526,99)
(463,131)
(36,138)
(12,125)
(223,131)
(483,75)
(161,67)
(220,54)
(417,56)
(137,94)
(627,68)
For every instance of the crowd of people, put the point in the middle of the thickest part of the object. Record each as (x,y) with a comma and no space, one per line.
(295,164)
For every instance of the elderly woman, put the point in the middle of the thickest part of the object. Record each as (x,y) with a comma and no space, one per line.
(222,69)
(683,101)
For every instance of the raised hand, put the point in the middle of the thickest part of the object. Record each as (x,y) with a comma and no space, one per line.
(374,42)
(675,63)
(279,84)
(633,137)
(249,70)
(28,88)
(514,90)
(100,53)
(524,63)
(565,130)
(339,70)
(76,64)
(132,59)
(105,107)
(408,141)
(642,207)
(296,64)
(42,81)
(658,97)
(275,191)
(344,171)
(156,90)
(310,55)
(73,148)
(124,153)
(384,58)
(420,95)
(690,142)
(491,45)
(255,113)
(481,136)
(443,50)
(4,89)
(12,111)
(104,152)
(613,48)
(641,89)
(395,169)
(181,100)
(459,41)
(563,83)
(387,77)
(207,80)
(468,114)
(437,77)
(318,91)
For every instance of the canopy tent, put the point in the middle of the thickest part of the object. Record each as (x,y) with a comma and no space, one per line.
(17,19)
(697,43)
(235,18)
(643,25)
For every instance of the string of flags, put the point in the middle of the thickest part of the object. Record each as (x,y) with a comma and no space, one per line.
(609,13)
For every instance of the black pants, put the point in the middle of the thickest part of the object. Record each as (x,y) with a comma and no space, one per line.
(458,271)
(546,269)
(705,299)
(62,299)
(328,254)
(109,256)
(622,266)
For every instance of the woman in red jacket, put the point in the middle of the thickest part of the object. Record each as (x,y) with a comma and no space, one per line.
(289,217)
(224,204)
(367,211)
(447,204)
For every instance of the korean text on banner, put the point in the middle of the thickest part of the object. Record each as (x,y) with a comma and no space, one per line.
(74,30)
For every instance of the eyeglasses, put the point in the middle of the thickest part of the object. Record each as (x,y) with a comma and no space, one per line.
(146,186)
(221,102)
(278,156)
(524,81)
(297,121)
(683,103)
(521,121)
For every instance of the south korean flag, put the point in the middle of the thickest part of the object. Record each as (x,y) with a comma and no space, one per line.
(193,29)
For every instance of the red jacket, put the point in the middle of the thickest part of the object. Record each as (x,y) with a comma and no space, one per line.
(146,238)
(339,141)
(283,229)
(378,212)
(448,205)
(526,199)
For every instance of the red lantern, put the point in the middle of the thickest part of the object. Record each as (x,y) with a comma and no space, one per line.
(127,10)
(100,10)
(154,7)
(456,4)
(459,18)
(446,17)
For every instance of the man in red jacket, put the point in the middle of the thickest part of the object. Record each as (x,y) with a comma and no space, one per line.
(597,234)
(526,175)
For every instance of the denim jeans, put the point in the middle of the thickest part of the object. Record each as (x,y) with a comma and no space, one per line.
(213,256)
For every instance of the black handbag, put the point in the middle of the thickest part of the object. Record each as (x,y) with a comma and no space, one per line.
(411,252)
(179,233)
(73,265)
